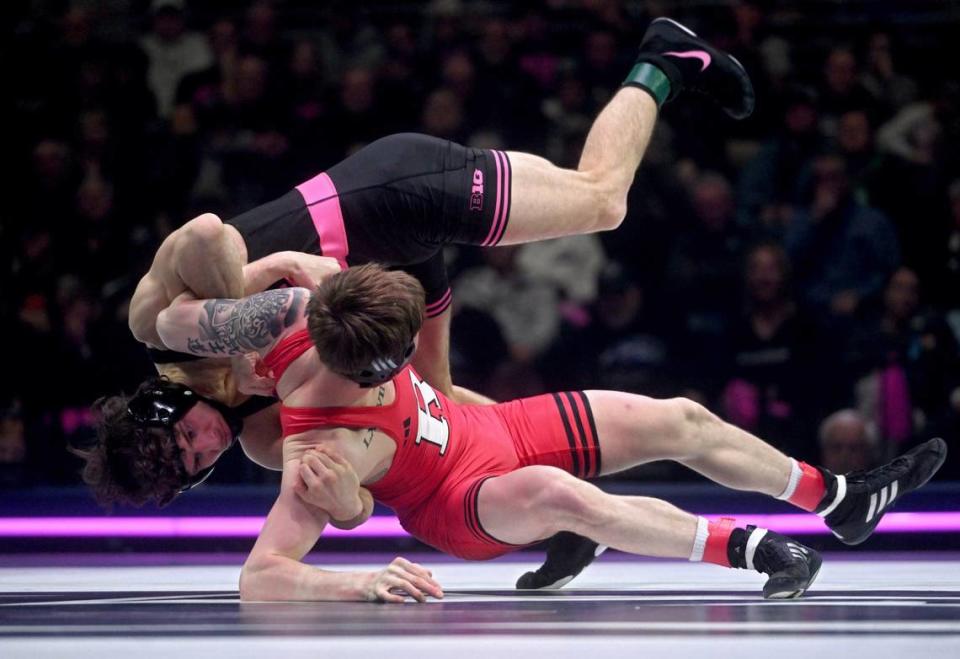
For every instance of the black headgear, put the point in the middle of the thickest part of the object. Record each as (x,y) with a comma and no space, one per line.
(382,369)
(163,403)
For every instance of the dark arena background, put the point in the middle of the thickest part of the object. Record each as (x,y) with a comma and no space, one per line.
(127,118)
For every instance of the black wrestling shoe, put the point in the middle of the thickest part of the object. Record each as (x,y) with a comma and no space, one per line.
(567,555)
(691,63)
(855,503)
(792,567)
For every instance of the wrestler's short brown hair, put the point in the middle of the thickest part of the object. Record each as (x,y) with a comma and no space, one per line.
(362,314)
(130,464)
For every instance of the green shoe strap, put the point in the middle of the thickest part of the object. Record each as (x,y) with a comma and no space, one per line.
(649,77)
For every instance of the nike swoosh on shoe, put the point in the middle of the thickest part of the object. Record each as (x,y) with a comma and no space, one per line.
(701,55)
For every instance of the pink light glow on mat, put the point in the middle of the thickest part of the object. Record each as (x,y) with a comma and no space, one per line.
(171,527)
(389,527)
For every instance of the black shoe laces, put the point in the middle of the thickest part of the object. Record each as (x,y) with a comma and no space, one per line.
(774,556)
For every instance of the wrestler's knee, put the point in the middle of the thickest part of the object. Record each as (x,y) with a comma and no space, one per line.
(612,212)
(609,204)
(693,422)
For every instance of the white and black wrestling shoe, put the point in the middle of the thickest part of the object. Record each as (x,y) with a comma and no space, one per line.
(790,566)
(567,555)
(855,502)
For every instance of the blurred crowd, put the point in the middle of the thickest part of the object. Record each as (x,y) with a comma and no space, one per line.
(798,272)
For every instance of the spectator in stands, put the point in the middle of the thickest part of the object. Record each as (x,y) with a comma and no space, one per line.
(262,37)
(569,117)
(848,442)
(774,354)
(526,309)
(620,344)
(841,89)
(889,87)
(702,274)
(204,89)
(173,52)
(443,116)
(843,251)
(910,184)
(767,190)
(855,143)
(907,363)
(357,113)
(248,135)
(345,40)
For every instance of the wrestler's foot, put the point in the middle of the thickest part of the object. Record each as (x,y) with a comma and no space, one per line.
(792,567)
(567,555)
(855,503)
(689,62)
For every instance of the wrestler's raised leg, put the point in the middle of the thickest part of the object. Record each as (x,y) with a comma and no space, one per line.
(549,201)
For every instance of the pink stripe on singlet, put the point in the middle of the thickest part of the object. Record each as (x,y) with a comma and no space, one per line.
(323,203)
(439,306)
(502,198)
(507,197)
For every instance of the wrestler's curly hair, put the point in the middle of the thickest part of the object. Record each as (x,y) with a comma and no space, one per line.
(130,464)
(362,314)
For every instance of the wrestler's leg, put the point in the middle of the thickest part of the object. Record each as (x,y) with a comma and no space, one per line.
(549,201)
(209,257)
(203,256)
(432,358)
(535,502)
(634,429)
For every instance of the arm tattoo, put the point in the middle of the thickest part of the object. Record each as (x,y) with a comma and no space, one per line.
(233,327)
(369,438)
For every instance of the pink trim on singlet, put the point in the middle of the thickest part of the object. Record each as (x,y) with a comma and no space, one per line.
(320,196)
(437,307)
(501,201)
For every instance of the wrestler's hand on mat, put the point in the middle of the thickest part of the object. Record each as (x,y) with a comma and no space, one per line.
(307,270)
(328,481)
(399,579)
(246,377)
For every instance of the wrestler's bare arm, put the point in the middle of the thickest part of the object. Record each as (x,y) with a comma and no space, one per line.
(298,268)
(204,256)
(227,327)
(274,570)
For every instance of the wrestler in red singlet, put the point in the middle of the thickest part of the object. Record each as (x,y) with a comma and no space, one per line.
(445,451)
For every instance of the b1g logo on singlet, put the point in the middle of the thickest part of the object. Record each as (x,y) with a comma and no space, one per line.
(476,191)
(431,425)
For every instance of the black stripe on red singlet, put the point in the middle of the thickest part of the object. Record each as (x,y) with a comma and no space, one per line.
(469,510)
(593,430)
(573,444)
(580,434)
(476,513)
